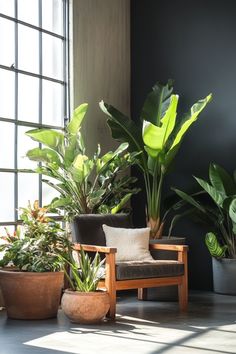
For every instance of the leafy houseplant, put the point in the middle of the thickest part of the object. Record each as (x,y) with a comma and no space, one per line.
(219,213)
(32,287)
(83,303)
(86,185)
(157,138)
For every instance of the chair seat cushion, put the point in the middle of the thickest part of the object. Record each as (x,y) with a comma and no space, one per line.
(150,269)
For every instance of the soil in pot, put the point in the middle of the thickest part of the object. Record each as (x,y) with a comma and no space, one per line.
(29,295)
(85,307)
(165,293)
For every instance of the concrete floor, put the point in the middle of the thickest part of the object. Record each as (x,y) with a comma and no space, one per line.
(141,327)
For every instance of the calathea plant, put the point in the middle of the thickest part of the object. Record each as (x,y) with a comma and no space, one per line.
(218,212)
(157,137)
(86,185)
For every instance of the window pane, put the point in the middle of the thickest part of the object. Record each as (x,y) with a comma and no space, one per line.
(25,143)
(28,98)
(52,103)
(28,188)
(7,53)
(52,57)
(28,44)
(7,94)
(7,145)
(10,229)
(7,7)
(7,196)
(52,15)
(48,192)
(28,11)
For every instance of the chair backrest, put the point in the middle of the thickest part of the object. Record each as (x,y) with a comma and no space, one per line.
(87,228)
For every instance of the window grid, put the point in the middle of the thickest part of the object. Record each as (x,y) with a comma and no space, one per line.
(64,82)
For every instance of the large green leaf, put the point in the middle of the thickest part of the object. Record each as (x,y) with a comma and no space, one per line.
(157,102)
(181,129)
(124,129)
(44,155)
(48,137)
(217,196)
(189,200)
(77,118)
(155,137)
(221,180)
(122,203)
(81,168)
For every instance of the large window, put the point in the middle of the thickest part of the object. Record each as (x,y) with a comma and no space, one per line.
(33,93)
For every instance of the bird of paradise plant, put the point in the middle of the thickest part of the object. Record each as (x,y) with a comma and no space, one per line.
(157,138)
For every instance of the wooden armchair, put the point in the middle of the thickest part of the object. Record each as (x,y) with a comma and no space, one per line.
(137,275)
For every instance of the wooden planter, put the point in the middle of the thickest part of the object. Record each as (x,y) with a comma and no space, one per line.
(85,307)
(30,295)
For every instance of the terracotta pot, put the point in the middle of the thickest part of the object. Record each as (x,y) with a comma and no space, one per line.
(30,295)
(85,307)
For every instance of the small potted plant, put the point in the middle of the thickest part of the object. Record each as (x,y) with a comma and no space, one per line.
(218,212)
(31,273)
(83,302)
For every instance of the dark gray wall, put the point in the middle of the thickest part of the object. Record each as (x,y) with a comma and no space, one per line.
(194,43)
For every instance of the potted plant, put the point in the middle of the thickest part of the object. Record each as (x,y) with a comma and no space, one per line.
(83,302)
(86,185)
(219,213)
(157,138)
(31,273)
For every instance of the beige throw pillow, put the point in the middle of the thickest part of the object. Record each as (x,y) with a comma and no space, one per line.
(131,244)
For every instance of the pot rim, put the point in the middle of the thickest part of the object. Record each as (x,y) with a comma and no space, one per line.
(85,293)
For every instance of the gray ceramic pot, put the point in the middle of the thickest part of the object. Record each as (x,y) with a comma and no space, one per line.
(224,276)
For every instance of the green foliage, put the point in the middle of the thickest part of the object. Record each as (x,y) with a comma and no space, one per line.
(37,245)
(157,138)
(85,185)
(85,273)
(218,212)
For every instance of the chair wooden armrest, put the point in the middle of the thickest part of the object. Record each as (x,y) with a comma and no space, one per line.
(94,248)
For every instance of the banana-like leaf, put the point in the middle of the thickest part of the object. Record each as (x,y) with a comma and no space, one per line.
(179,131)
(215,249)
(156,103)
(48,137)
(95,197)
(189,199)
(124,129)
(59,202)
(217,196)
(77,118)
(155,137)
(221,180)
(122,203)
(81,168)
(44,155)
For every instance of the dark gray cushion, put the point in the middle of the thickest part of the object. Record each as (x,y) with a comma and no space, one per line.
(153,269)
(87,228)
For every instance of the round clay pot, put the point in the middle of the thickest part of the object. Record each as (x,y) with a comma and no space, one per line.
(85,307)
(31,295)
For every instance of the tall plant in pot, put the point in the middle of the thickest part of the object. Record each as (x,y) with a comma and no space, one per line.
(157,138)
(31,273)
(86,185)
(218,212)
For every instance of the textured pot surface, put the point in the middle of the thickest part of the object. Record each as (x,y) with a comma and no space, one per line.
(224,276)
(82,307)
(29,295)
(165,293)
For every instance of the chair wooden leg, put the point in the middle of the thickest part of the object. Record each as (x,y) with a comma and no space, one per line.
(110,284)
(142,294)
(183,295)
